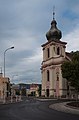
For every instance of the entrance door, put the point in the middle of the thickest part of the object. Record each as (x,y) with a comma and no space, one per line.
(47,92)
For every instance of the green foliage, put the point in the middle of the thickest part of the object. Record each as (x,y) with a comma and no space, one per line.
(17,92)
(70,70)
(75,56)
(66,70)
(39,90)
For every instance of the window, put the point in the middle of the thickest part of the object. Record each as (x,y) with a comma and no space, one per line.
(58,51)
(48,75)
(54,49)
(48,52)
(57,78)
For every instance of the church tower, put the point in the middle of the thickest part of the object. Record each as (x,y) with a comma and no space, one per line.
(53,84)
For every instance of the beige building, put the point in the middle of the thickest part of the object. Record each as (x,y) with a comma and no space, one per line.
(53,85)
(34,90)
(4,86)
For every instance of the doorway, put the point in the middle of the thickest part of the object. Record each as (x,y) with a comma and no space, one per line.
(47,92)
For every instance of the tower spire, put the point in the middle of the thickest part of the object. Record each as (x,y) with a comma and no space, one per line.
(53,12)
(54,33)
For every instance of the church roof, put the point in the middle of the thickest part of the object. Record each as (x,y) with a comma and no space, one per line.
(68,56)
(54,33)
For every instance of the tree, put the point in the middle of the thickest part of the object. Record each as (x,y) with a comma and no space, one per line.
(39,90)
(70,70)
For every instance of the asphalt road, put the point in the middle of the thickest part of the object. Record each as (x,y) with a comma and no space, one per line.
(32,109)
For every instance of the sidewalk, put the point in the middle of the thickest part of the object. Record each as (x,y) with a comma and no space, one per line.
(8,101)
(64,108)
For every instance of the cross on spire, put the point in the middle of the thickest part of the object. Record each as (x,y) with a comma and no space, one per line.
(53,12)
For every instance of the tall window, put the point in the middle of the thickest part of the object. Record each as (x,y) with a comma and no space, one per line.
(57,78)
(48,75)
(54,49)
(58,51)
(48,52)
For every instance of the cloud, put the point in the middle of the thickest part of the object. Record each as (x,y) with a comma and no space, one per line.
(24,23)
(72,38)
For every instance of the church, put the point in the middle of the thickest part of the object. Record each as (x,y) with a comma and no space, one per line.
(54,54)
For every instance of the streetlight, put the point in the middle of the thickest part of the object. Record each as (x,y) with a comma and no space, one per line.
(4,57)
(4,72)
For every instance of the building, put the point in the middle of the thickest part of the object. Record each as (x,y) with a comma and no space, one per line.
(26,89)
(34,89)
(54,53)
(4,86)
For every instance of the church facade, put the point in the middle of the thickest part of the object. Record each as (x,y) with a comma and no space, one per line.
(54,54)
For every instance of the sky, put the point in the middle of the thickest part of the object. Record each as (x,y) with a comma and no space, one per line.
(24,24)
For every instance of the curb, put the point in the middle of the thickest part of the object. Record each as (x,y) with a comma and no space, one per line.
(64,108)
(1,103)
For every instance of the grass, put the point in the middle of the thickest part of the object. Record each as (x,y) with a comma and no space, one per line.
(74,104)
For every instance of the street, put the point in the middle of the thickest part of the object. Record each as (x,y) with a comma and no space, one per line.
(32,109)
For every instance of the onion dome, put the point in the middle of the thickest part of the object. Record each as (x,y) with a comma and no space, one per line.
(54,33)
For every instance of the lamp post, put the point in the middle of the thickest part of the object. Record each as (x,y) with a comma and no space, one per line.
(4,57)
(4,72)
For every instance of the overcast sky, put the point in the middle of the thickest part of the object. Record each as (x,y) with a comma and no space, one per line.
(23,24)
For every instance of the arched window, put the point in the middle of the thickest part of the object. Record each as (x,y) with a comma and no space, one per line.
(57,78)
(48,52)
(48,75)
(58,51)
(54,49)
